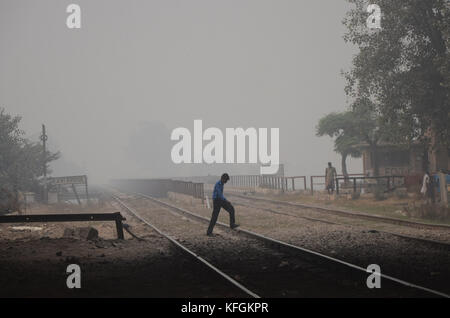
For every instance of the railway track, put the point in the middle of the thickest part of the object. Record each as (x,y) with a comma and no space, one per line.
(187,251)
(290,214)
(346,213)
(330,270)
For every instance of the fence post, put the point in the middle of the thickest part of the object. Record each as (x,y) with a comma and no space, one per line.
(443,188)
(119,227)
(312,185)
(337,185)
(354,185)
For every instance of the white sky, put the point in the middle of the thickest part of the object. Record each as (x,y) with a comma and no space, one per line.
(111,92)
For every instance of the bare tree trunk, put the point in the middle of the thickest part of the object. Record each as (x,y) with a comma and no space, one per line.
(374,154)
(344,166)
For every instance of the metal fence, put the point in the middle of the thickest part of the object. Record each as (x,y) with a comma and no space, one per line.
(389,183)
(291,182)
(313,180)
(270,182)
(193,189)
(160,187)
(249,181)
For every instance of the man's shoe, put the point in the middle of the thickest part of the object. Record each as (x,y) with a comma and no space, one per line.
(234,226)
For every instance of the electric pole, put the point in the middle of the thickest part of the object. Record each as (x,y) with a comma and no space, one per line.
(44,138)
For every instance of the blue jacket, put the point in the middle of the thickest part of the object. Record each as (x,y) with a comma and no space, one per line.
(436,181)
(218,191)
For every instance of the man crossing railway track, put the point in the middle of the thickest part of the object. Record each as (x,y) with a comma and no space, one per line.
(219,201)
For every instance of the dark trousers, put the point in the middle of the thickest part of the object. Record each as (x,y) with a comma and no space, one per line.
(218,204)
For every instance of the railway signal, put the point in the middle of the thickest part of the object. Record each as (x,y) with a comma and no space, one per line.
(44,139)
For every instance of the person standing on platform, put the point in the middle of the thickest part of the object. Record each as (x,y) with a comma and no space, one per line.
(330,175)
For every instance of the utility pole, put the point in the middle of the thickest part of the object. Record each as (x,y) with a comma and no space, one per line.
(44,138)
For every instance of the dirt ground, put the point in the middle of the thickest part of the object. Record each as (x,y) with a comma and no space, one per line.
(33,262)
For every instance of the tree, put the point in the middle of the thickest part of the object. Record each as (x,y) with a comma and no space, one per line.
(368,127)
(339,126)
(404,68)
(360,125)
(21,161)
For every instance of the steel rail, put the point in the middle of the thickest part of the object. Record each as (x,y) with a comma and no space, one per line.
(433,242)
(187,250)
(349,213)
(298,248)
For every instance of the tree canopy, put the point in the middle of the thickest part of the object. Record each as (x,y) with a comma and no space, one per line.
(339,126)
(403,69)
(21,161)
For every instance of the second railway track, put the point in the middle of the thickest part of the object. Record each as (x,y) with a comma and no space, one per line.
(279,211)
(345,213)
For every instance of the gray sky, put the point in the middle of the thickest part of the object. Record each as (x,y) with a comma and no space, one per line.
(111,92)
